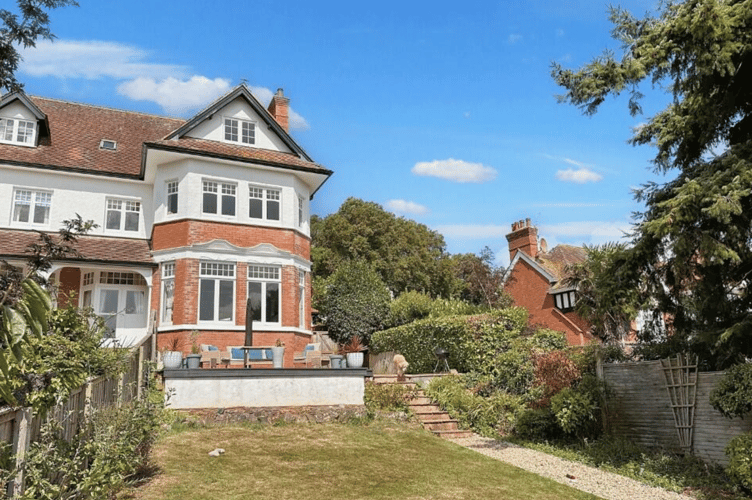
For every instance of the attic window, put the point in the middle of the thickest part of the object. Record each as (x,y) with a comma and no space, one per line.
(565,301)
(240,131)
(108,144)
(17,131)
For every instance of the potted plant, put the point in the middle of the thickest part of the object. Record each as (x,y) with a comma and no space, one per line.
(172,357)
(194,358)
(337,360)
(354,352)
(278,354)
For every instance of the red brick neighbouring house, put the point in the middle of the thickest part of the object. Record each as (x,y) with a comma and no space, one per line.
(534,280)
(195,217)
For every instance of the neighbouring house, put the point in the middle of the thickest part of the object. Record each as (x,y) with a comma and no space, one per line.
(194,216)
(535,277)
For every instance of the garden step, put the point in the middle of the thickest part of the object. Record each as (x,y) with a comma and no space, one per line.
(428,408)
(433,416)
(441,425)
(420,400)
(458,434)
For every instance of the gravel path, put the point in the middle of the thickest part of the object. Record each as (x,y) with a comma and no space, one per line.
(588,479)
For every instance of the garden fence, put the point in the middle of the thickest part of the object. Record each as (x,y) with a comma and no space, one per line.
(641,409)
(20,428)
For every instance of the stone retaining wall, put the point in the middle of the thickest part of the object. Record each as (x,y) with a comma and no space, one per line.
(287,414)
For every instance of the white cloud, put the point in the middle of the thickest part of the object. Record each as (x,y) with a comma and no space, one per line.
(173,95)
(455,170)
(579,176)
(595,232)
(514,38)
(405,207)
(169,85)
(92,60)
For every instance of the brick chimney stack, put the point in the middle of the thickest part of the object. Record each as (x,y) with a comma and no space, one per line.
(524,237)
(279,109)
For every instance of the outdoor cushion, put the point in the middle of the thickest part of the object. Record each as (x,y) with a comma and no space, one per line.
(213,348)
(253,354)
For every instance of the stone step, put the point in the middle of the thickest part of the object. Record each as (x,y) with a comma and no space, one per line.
(441,425)
(420,400)
(432,417)
(428,408)
(458,434)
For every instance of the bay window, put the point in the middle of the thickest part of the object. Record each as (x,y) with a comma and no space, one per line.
(264,203)
(219,197)
(216,291)
(264,291)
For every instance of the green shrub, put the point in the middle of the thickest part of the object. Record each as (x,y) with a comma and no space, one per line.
(473,342)
(387,397)
(732,396)
(739,451)
(554,371)
(537,423)
(408,307)
(356,303)
(489,416)
(577,409)
(111,448)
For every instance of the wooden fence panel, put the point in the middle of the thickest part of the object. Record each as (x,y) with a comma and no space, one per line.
(639,410)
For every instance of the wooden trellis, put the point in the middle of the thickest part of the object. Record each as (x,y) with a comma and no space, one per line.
(681,384)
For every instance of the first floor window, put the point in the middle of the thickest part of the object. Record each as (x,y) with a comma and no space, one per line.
(301,299)
(32,207)
(565,301)
(264,287)
(300,211)
(264,203)
(122,215)
(219,197)
(216,291)
(172,197)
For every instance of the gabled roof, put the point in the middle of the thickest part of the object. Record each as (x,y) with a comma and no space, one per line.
(240,91)
(44,128)
(551,265)
(76,131)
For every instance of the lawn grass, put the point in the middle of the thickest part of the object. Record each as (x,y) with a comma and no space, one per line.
(375,460)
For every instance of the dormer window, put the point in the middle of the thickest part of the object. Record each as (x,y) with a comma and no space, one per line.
(565,300)
(108,144)
(240,131)
(15,131)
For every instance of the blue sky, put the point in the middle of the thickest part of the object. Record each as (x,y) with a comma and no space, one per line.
(442,112)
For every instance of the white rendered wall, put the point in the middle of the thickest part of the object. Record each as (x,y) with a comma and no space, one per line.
(191,173)
(72,194)
(230,391)
(214,128)
(17,110)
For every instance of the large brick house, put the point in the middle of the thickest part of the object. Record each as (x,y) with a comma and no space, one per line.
(194,216)
(534,279)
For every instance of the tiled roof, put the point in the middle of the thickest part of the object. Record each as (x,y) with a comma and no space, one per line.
(76,131)
(558,258)
(231,151)
(92,248)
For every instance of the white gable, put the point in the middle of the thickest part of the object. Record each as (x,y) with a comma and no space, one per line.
(213,128)
(18,111)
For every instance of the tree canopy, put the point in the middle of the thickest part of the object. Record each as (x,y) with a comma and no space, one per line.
(407,255)
(691,253)
(23,29)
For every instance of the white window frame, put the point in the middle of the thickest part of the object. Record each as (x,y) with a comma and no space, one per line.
(13,129)
(266,275)
(565,301)
(35,199)
(172,189)
(238,131)
(301,299)
(124,207)
(267,195)
(218,272)
(168,287)
(301,207)
(222,192)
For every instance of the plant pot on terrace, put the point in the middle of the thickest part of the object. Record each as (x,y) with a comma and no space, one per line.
(278,354)
(354,352)
(172,356)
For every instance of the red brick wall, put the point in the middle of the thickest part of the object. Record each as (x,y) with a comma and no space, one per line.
(530,290)
(69,285)
(187,232)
